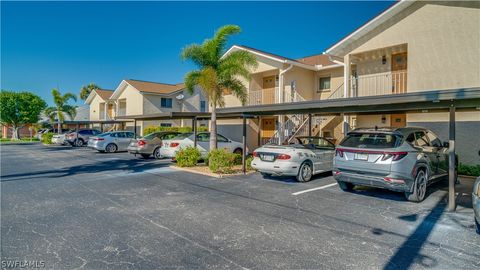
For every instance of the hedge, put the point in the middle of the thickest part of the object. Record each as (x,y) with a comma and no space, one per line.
(152,129)
(471,170)
(187,157)
(221,161)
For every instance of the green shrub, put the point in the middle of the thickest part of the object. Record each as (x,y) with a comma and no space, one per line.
(221,161)
(202,129)
(185,129)
(187,157)
(249,163)
(238,159)
(471,170)
(47,138)
(152,129)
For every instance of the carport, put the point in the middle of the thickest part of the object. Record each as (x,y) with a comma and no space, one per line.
(195,117)
(452,100)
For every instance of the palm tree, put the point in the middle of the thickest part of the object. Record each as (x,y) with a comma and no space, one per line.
(61,107)
(218,73)
(87,89)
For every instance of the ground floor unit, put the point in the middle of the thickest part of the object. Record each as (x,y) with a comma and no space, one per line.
(74,208)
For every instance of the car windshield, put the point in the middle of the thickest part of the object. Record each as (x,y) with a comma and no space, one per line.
(182,136)
(105,134)
(371,140)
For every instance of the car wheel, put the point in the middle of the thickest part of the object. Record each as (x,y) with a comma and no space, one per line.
(78,142)
(419,188)
(477,226)
(266,175)
(305,173)
(238,151)
(157,154)
(145,155)
(345,186)
(111,148)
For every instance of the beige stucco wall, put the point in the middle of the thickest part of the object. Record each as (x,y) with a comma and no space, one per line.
(95,108)
(305,80)
(336,80)
(443,41)
(443,116)
(372,120)
(134,101)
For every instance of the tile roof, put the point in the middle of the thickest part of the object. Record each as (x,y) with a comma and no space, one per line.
(153,87)
(104,94)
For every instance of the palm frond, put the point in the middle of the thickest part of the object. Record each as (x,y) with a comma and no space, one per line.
(68,96)
(196,54)
(191,79)
(222,35)
(69,110)
(237,88)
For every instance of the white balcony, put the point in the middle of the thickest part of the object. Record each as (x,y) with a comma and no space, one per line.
(263,96)
(385,83)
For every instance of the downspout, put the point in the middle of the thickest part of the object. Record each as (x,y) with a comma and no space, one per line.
(281,93)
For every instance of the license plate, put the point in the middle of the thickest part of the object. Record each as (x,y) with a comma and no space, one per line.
(361,156)
(268,157)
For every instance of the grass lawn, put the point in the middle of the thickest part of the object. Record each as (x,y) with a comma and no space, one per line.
(22,140)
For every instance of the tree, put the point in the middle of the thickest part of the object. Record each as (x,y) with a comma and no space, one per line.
(18,109)
(61,107)
(218,73)
(87,89)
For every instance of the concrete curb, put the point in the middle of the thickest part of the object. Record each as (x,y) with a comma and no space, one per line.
(216,175)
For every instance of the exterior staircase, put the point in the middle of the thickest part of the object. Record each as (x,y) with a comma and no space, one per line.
(297,124)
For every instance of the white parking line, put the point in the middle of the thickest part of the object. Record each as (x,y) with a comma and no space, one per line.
(313,189)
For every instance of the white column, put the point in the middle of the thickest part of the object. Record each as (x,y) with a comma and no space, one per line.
(346,90)
(281,118)
(105,109)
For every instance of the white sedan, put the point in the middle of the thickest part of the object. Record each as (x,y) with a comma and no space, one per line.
(170,147)
(304,158)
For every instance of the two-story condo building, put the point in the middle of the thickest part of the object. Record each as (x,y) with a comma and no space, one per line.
(135,97)
(412,46)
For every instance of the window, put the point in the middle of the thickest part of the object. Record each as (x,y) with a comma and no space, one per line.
(121,135)
(203,106)
(220,138)
(324,83)
(421,139)
(166,103)
(203,137)
(371,140)
(129,134)
(434,140)
(165,124)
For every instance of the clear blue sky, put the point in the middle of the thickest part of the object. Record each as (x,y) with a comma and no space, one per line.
(69,44)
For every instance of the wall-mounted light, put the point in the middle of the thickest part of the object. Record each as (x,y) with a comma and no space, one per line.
(384,59)
(384,119)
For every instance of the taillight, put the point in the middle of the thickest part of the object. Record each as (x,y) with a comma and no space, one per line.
(255,154)
(339,152)
(99,139)
(283,156)
(142,142)
(174,144)
(394,155)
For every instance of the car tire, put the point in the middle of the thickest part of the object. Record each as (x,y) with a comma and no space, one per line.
(238,151)
(266,175)
(157,154)
(305,173)
(145,155)
(419,187)
(78,142)
(477,225)
(111,148)
(345,186)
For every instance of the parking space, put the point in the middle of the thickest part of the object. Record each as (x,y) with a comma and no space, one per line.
(74,208)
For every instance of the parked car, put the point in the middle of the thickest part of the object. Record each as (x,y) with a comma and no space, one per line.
(170,147)
(305,157)
(476,203)
(83,136)
(51,130)
(111,142)
(59,139)
(150,144)
(400,159)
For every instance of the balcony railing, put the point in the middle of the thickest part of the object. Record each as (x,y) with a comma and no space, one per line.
(263,96)
(386,83)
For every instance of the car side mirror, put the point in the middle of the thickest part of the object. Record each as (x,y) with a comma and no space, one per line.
(446,144)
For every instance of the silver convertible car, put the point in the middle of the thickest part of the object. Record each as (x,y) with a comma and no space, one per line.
(304,158)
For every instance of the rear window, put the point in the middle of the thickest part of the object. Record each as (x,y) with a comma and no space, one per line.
(183,136)
(151,136)
(104,134)
(371,140)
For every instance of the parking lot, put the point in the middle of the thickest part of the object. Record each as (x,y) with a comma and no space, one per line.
(75,208)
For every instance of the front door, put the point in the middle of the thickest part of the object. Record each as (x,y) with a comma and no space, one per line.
(267,129)
(399,73)
(398,120)
(268,92)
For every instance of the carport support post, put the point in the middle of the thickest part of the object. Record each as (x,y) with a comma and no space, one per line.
(78,127)
(101,127)
(451,162)
(135,128)
(309,125)
(194,129)
(244,142)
